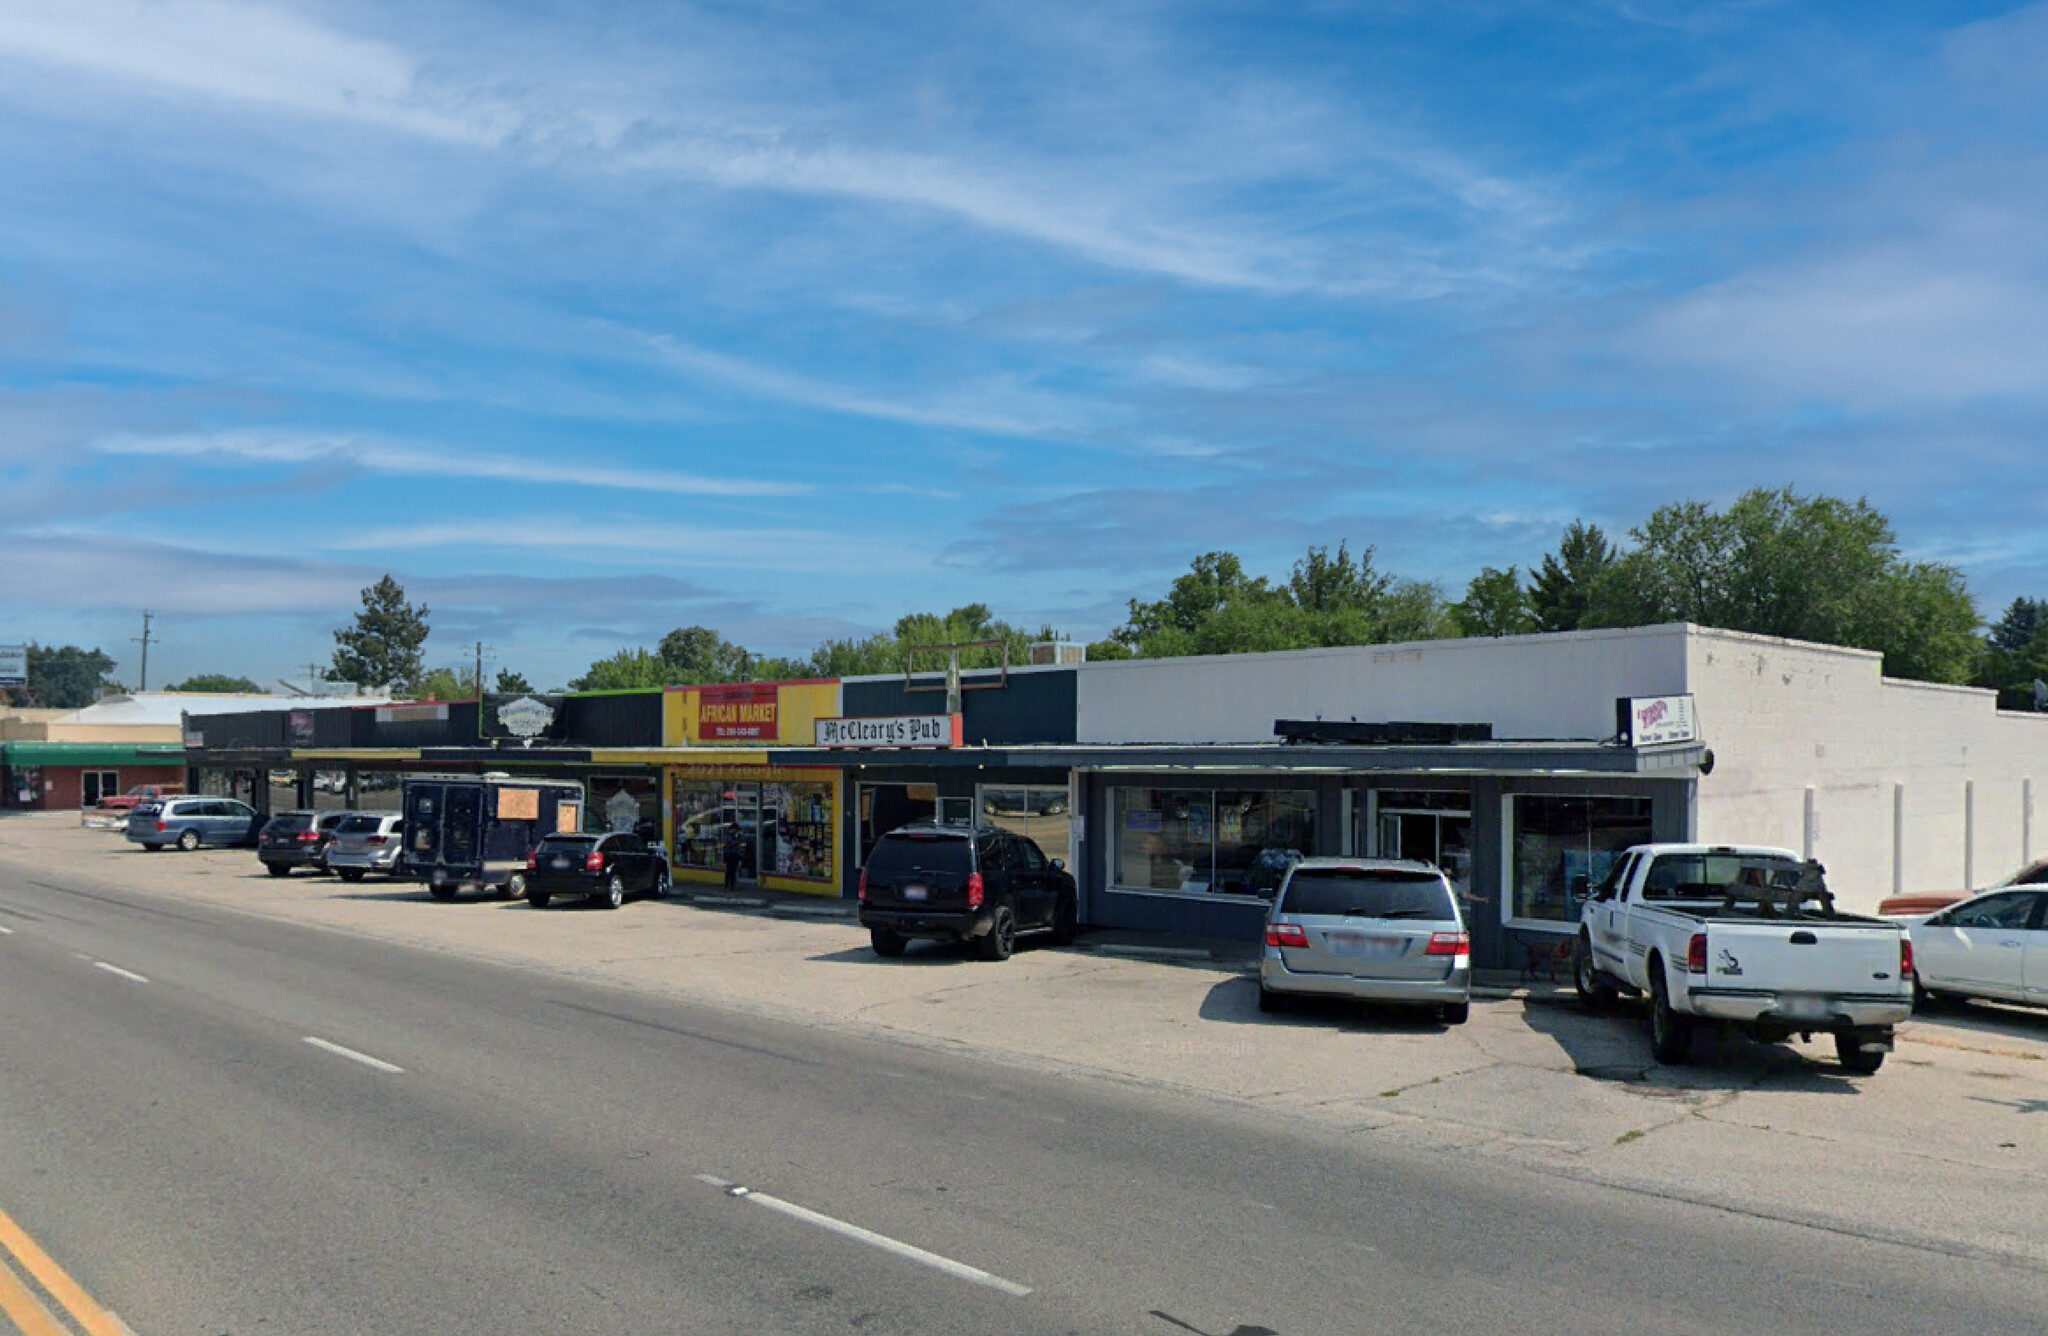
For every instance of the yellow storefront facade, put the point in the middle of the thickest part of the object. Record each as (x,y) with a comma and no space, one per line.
(722,803)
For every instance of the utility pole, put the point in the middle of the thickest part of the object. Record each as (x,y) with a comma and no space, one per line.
(480,648)
(144,642)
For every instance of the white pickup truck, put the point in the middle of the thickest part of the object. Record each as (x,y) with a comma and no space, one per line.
(1745,938)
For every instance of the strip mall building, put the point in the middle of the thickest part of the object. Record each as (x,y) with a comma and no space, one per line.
(1515,763)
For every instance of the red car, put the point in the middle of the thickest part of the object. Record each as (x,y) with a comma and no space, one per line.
(141,793)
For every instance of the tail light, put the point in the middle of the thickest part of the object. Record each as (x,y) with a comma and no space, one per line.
(308,836)
(593,861)
(162,826)
(1286,934)
(1696,954)
(863,884)
(386,839)
(1448,944)
(533,860)
(1905,956)
(974,890)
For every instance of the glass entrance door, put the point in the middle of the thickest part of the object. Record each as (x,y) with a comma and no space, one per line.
(1429,826)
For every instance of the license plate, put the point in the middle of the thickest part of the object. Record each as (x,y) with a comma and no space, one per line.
(915,893)
(1362,944)
(1803,1008)
(558,862)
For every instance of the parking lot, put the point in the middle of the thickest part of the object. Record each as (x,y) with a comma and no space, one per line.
(1945,1147)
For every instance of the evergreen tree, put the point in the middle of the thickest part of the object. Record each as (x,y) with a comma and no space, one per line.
(384,649)
(1560,587)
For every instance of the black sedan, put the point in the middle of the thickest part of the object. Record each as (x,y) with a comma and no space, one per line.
(605,868)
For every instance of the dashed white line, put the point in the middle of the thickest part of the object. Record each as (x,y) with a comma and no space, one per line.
(353,1056)
(6,932)
(116,969)
(909,1252)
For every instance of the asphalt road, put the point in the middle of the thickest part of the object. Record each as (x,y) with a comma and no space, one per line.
(201,1120)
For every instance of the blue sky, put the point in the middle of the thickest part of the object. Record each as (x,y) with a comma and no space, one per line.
(589,321)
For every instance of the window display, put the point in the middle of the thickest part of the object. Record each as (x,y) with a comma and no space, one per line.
(1038,812)
(1233,842)
(1557,840)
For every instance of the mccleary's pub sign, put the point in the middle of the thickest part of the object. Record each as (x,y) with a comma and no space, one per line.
(892,730)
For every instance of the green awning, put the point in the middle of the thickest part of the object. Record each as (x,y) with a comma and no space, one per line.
(23,754)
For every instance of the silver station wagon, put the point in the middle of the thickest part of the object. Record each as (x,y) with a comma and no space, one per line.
(1373,930)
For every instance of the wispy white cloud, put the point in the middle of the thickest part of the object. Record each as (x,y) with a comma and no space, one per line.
(795,547)
(408,459)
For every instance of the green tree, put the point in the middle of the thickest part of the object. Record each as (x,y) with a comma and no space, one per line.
(219,683)
(1561,586)
(2015,654)
(67,678)
(383,650)
(1808,568)
(624,671)
(699,654)
(445,684)
(1495,605)
(509,681)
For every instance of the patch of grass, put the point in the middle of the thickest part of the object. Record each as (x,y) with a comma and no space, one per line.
(1388,1094)
(1626,1137)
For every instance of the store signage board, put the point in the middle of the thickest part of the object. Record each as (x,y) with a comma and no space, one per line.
(738,712)
(894,730)
(1648,721)
(13,665)
(525,716)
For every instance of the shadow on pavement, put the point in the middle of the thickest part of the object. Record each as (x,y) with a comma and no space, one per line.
(1991,1019)
(1613,1045)
(1236,1002)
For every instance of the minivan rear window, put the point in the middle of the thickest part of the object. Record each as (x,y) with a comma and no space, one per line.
(359,825)
(1367,893)
(897,855)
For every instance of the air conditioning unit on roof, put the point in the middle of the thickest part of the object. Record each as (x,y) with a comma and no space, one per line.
(1058,652)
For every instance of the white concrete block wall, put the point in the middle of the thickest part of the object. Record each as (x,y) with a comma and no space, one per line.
(1784,717)
(1551,686)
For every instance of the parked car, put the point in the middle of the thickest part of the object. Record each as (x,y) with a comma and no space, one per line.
(298,839)
(191,822)
(963,884)
(604,868)
(1993,946)
(135,797)
(1743,938)
(1922,903)
(1368,929)
(366,842)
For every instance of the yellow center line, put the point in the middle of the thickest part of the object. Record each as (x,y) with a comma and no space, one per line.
(51,1277)
(22,1308)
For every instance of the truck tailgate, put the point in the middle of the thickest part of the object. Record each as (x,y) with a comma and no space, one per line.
(1805,958)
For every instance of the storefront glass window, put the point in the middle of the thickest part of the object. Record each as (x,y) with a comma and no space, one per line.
(1557,841)
(699,829)
(1038,812)
(379,790)
(330,789)
(1236,842)
(796,836)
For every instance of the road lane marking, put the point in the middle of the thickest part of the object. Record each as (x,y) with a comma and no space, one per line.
(81,1306)
(910,1252)
(6,932)
(130,975)
(19,1305)
(353,1056)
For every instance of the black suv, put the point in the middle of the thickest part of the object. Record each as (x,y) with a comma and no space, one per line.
(958,883)
(298,839)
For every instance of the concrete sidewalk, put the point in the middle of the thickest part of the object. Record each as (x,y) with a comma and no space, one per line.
(1946,1149)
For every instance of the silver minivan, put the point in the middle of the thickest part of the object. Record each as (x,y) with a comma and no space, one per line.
(1370,929)
(189,821)
(366,842)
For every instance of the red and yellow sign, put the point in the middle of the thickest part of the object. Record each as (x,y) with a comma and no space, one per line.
(742,714)
(738,712)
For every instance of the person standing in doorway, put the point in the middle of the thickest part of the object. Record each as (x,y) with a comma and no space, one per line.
(732,855)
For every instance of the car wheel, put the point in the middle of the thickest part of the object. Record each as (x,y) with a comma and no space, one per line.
(614,892)
(1595,993)
(277,869)
(515,887)
(188,840)
(661,882)
(1670,1033)
(1066,921)
(1001,940)
(442,890)
(539,899)
(1457,1013)
(1857,1059)
(888,945)
(350,873)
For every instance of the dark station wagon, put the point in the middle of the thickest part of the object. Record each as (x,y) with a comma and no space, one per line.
(604,868)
